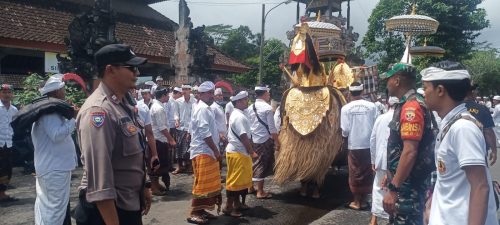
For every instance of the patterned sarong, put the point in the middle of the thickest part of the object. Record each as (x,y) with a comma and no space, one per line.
(182,148)
(360,171)
(239,171)
(264,164)
(206,184)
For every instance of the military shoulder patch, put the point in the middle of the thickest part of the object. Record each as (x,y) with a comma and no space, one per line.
(97,118)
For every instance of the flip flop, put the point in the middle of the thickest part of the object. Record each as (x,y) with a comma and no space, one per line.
(267,196)
(208,215)
(363,207)
(197,220)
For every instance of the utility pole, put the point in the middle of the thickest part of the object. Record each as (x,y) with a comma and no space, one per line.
(261,54)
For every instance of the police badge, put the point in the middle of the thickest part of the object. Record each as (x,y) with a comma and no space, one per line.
(97,118)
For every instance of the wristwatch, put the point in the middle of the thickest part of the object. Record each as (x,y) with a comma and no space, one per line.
(392,188)
(147,184)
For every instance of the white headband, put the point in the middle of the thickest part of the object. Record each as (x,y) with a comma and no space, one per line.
(356,88)
(433,73)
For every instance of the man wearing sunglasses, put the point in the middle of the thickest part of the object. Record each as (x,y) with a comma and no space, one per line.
(112,144)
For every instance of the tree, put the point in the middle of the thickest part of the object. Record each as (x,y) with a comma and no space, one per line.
(239,44)
(460,23)
(273,50)
(218,33)
(484,67)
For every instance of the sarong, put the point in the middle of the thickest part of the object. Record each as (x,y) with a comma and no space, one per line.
(52,197)
(5,167)
(264,164)
(182,148)
(239,171)
(378,195)
(173,133)
(360,171)
(206,184)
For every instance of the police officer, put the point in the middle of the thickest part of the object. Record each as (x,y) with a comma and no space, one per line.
(410,155)
(112,145)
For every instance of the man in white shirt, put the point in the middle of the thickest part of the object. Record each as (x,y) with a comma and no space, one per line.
(164,142)
(7,111)
(496,117)
(55,158)
(356,121)
(463,193)
(182,122)
(205,158)
(220,117)
(378,150)
(264,138)
(239,154)
(380,105)
(151,153)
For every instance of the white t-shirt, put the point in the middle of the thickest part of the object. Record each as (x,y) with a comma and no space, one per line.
(203,126)
(6,131)
(462,146)
(378,140)
(220,117)
(239,123)
(356,121)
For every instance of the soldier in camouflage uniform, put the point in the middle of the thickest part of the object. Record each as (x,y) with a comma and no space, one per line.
(410,149)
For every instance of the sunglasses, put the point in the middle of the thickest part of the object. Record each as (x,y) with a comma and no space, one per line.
(133,69)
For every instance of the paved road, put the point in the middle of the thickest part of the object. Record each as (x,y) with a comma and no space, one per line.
(285,208)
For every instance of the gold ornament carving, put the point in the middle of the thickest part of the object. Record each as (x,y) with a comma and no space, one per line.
(306,109)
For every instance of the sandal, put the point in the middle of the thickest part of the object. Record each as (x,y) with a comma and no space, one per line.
(350,206)
(208,215)
(266,196)
(231,213)
(197,220)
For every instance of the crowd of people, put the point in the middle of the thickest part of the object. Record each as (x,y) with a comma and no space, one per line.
(421,154)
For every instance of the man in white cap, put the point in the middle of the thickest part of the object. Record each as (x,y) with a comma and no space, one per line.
(356,121)
(146,98)
(220,118)
(264,138)
(183,120)
(463,193)
(378,150)
(496,116)
(7,111)
(55,158)
(205,157)
(239,154)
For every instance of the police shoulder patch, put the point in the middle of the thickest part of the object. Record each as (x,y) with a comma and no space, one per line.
(97,118)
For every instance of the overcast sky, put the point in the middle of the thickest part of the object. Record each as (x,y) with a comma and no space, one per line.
(281,19)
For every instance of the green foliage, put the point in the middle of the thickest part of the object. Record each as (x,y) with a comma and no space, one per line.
(460,23)
(31,85)
(485,69)
(35,81)
(241,44)
(273,50)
